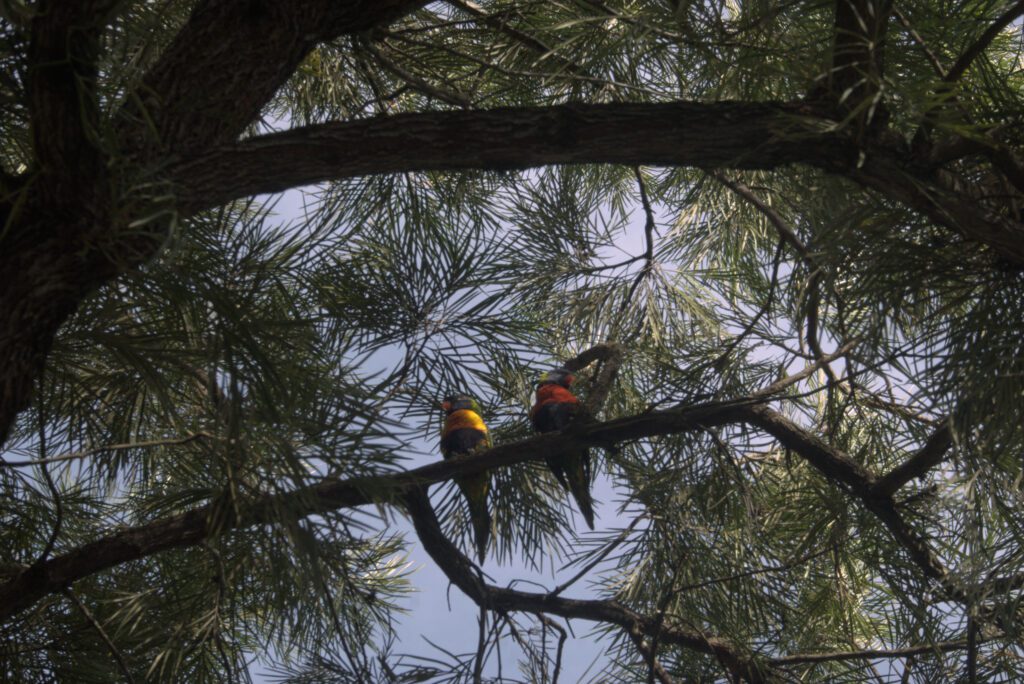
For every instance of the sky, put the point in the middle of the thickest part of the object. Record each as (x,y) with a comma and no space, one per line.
(438,611)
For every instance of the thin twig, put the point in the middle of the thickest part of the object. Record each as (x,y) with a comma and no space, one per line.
(526,39)
(648,256)
(103,635)
(874,653)
(604,554)
(760,313)
(481,647)
(562,636)
(813,313)
(808,371)
(752,573)
(54,493)
(782,226)
(415,82)
(972,649)
(940,69)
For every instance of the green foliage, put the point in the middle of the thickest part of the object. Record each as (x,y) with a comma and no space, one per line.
(259,355)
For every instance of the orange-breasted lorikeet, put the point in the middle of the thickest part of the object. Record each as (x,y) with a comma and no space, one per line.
(463,434)
(555,408)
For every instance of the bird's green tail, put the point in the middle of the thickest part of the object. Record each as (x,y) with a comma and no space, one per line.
(475,491)
(577,473)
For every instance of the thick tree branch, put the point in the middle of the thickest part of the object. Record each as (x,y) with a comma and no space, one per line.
(891,176)
(231,57)
(198,525)
(461,572)
(740,135)
(840,468)
(729,134)
(64,107)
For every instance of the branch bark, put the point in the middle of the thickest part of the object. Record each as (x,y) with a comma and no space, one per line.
(739,135)
(230,58)
(461,572)
(732,134)
(195,526)
(930,455)
(984,40)
(855,76)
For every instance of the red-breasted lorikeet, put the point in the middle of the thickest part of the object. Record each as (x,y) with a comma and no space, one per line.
(463,434)
(555,408)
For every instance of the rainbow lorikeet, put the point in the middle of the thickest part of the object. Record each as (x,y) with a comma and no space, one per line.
(463,434)
(555,408)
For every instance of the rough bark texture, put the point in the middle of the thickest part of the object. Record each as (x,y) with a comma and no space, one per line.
(745,135)
(60,237)
(230,59)
(738,135)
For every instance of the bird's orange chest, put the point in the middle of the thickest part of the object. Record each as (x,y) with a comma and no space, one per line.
(553,394)
(458,420)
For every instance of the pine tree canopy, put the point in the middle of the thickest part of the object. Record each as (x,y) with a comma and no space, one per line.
(246,247)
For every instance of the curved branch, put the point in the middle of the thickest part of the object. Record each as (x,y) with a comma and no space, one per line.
(728,134)
(461,572)
(196,526)
(738,135)
(986,38)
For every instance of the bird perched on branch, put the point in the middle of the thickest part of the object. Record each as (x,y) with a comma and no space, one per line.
(463,434)
(555,408)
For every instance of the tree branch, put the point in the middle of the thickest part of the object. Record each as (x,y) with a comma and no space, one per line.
(231,57)
(61,80)
(654,666)
(461,572)
(927,457)
(196,526)
(739,135)
(984,40)
(731,134)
